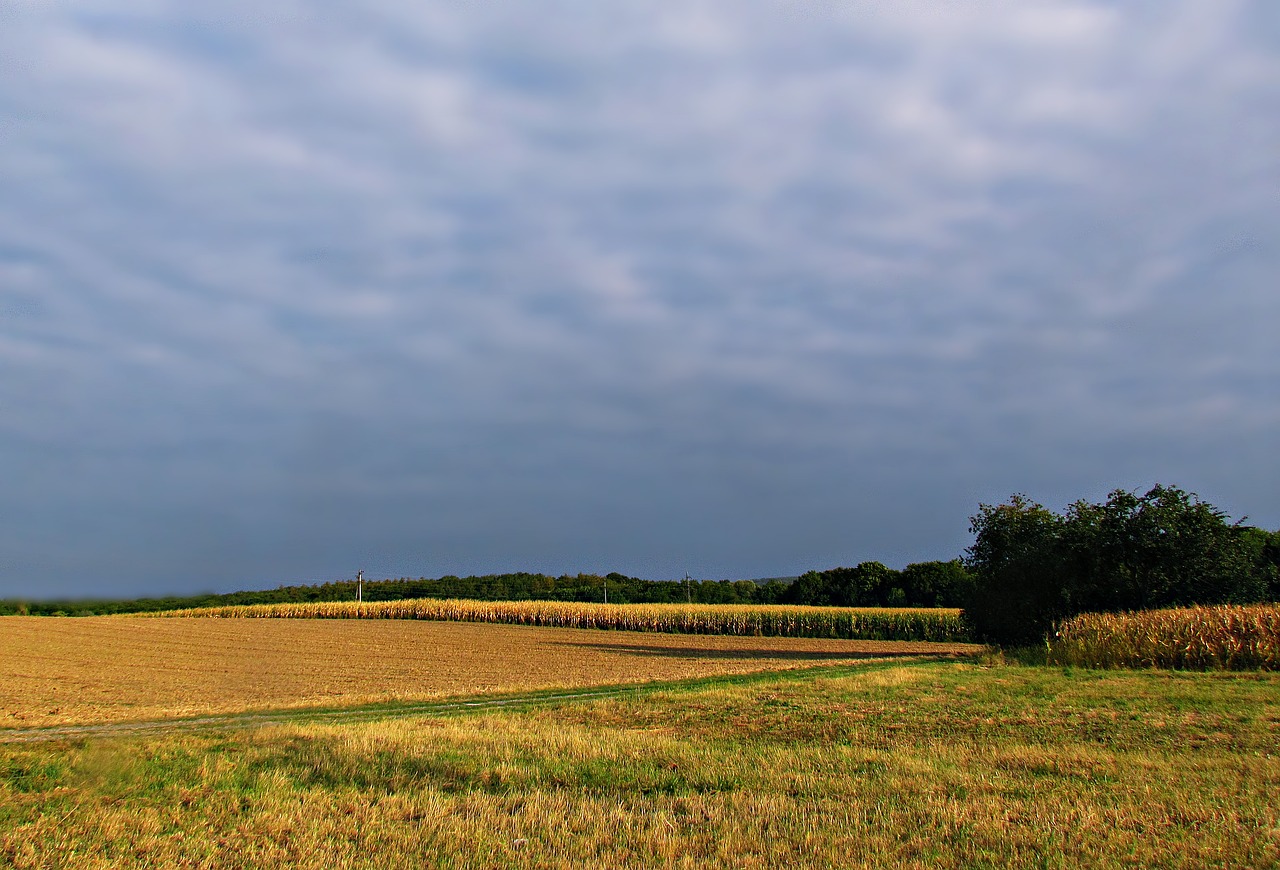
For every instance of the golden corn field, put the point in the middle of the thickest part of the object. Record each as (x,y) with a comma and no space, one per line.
(847,623)
(1226,637)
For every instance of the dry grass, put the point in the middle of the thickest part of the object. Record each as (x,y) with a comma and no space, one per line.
(1227,637)
(102,669)
(924,766)
(750,620)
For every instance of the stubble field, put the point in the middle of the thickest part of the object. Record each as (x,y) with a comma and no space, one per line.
(108,669)
(902,765)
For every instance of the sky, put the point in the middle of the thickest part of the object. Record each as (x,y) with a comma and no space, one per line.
(731,287)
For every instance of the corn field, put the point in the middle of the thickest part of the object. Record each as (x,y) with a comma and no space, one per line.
(850,623)
(1227,637)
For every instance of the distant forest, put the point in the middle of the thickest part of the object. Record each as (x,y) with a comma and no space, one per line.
(870,584)
(1028,569)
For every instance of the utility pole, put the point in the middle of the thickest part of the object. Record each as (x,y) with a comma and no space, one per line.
(606,590)
(688,591)
(360,586)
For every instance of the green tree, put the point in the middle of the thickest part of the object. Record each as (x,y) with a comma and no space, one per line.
(869,584)
(1019,582)
(1264,550)
(1164,548)
(773,592)
(809,588)
(937,584)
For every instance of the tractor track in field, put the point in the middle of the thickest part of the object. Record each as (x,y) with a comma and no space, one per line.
(236,721)
(444,707)
(74,673)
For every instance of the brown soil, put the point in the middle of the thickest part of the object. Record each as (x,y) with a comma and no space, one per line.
(111,669)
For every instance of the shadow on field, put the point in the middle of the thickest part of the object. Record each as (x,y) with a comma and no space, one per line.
(755,653)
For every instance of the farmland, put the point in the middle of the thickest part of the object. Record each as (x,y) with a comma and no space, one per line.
(850,623)
(94,669)
(723,751)
(1227,637)
(927,764)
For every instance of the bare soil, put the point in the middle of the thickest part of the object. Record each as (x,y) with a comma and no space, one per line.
(84,670)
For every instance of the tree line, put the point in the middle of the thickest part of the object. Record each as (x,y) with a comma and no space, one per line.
(1028,568)
(1033,568)
(870,584)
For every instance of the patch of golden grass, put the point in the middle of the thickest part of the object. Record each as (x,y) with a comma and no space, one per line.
(938,778)
(102,669)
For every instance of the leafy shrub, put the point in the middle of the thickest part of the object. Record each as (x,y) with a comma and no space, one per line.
(1166,548)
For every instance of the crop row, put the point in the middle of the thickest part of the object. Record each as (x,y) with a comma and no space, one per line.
(1225,637)
(852,623)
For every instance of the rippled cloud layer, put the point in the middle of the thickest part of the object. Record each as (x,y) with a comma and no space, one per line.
(735,288)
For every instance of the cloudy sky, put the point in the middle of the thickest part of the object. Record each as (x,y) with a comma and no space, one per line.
(735,287)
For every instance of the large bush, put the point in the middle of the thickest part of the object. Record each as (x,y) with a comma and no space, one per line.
(1166,548)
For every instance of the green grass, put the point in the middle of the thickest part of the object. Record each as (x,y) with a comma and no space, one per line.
(932,764)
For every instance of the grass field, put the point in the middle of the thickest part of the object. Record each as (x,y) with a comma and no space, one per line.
(102,669)
(889,765)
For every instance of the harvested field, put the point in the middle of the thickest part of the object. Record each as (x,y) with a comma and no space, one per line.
(106,669)
(906,765)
